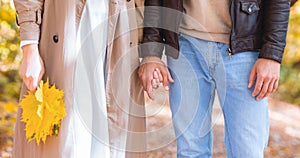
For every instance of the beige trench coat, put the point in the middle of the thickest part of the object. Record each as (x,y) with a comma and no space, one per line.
(54,23)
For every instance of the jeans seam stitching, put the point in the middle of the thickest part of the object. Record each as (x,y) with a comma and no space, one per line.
(228,139)
(212,99)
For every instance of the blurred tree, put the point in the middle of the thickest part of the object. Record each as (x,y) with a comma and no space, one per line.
(289,89)
(10,55)
(10,82)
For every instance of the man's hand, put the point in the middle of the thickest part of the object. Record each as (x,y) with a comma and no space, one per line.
(32,66)
(146,74)
(266,72)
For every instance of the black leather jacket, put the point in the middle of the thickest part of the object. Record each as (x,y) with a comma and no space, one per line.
(257,25)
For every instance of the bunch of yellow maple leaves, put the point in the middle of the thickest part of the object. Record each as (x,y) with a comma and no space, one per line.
(43,111)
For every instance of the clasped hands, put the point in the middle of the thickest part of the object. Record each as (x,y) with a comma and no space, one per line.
(152,72)
(264,76)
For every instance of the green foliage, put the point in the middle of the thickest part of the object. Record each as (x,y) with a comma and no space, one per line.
(289,88)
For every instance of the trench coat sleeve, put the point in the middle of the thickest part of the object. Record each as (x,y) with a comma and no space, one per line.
(139,7)
(29,18)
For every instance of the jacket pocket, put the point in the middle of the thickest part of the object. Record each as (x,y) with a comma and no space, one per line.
(246,18)
(250,7)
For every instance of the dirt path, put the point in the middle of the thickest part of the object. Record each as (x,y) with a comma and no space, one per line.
(284,139)
(284,134)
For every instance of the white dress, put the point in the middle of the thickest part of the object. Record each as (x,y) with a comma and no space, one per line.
(91,129)
(84,131)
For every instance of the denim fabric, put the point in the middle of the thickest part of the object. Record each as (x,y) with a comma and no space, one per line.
(204,67)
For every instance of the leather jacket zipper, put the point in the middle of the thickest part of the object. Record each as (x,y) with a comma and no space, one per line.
(229,52)
(229,49)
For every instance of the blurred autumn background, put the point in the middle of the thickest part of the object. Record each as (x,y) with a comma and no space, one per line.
(284,105)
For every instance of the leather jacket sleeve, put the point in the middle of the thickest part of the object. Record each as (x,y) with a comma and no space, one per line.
(29,18)
(152,43)
(275,24)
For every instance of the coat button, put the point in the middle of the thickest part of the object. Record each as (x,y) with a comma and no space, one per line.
(55,38)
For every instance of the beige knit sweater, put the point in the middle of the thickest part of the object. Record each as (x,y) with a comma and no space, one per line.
(207,20)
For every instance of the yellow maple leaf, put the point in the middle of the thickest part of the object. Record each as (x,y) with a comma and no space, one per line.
(42,112)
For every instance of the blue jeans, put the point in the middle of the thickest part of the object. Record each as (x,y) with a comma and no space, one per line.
(202,68)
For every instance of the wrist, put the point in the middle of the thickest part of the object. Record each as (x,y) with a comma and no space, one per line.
(26,42)
(269,60)
(29,49)
(151,59)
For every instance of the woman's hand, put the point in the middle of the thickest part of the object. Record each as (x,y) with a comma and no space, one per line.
(32,66)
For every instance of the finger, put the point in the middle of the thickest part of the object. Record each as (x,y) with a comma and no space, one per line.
(165,78)
(271,88)
(170,77)
(143,77)
(275,85)
(155,75)
(258,86)
(252,78)
(30,84)
(40,78)
(159,75)
(264,89)
(157,82)
(35,83)
(154,83)
(26,82)
(150,92)
(149,89)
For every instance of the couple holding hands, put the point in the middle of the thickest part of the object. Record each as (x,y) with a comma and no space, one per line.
(90,50)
